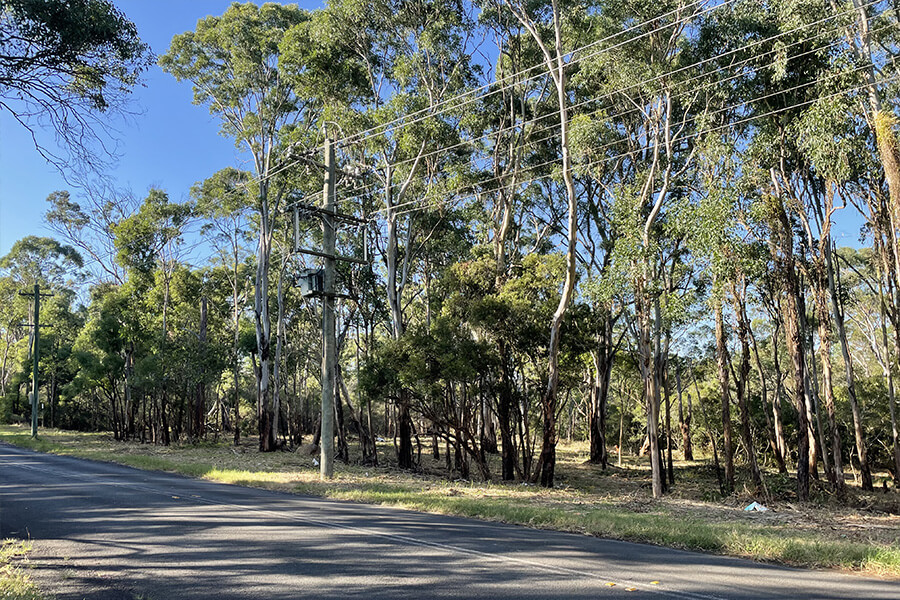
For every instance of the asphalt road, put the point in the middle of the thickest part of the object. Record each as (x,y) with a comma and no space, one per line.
(104,532)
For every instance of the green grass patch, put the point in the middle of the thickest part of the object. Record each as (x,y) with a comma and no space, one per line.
(14,584)
(612,507)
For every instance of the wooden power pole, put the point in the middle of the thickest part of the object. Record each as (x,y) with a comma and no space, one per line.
(322,283)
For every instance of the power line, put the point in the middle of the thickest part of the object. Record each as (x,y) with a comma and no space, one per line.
(431,113)
(358,193)
(678,140)
(610,94)
(366,134)
(99,260)
(617,142)
(428,112)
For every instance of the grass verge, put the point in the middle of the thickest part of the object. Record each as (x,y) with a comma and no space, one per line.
(795,538)
(14,584)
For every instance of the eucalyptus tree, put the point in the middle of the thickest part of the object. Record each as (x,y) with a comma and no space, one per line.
(784,64)
(652,157)
(100,350)
(70,64)
(147,243)
(837,159)
(269,113)
(726,248)
(506,319)
(865,267)
(544,22)
(595,138)
(223,201)
(88,226)
(197,344)
(873,44)
(43,261)
(13,311)
(507,127)
(774,217)
(57,269)
(408,60)
(872,50)
(63,318)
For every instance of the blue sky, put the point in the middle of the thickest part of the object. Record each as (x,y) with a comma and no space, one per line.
(171,145)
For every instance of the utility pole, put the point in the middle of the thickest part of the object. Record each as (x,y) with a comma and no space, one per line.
(322,283)
(35,354)
(328,342)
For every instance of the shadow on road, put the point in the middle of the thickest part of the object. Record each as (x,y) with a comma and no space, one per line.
(103,531)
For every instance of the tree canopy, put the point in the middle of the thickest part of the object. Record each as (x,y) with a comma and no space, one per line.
(65,64)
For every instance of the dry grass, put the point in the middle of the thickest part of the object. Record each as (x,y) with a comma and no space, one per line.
(14,584)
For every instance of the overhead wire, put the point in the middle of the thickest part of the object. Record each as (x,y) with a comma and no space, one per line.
(577,56)
(359,192)
(429,112)
(98,260)
(617,142)
(575,53)
(692,135)
(516,78)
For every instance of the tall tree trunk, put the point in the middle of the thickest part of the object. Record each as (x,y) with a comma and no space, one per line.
(888,374)
(836,474)
(781,245)
(881,122)
(129,372)
(795,350)
(264,407)
(555,62)
(277,382)
(164,416)
(670,467)
(404,432)
(602,358)
(648,347)
(340,426)
(742,384)
(725,391)
(810,400)
(684,417)
(858,429)
(504,413)
(777,421)
(199,412)
(764,393)
(395,286)
(236,365)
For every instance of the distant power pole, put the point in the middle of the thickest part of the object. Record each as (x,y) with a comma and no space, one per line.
(322,283)
(36,352)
